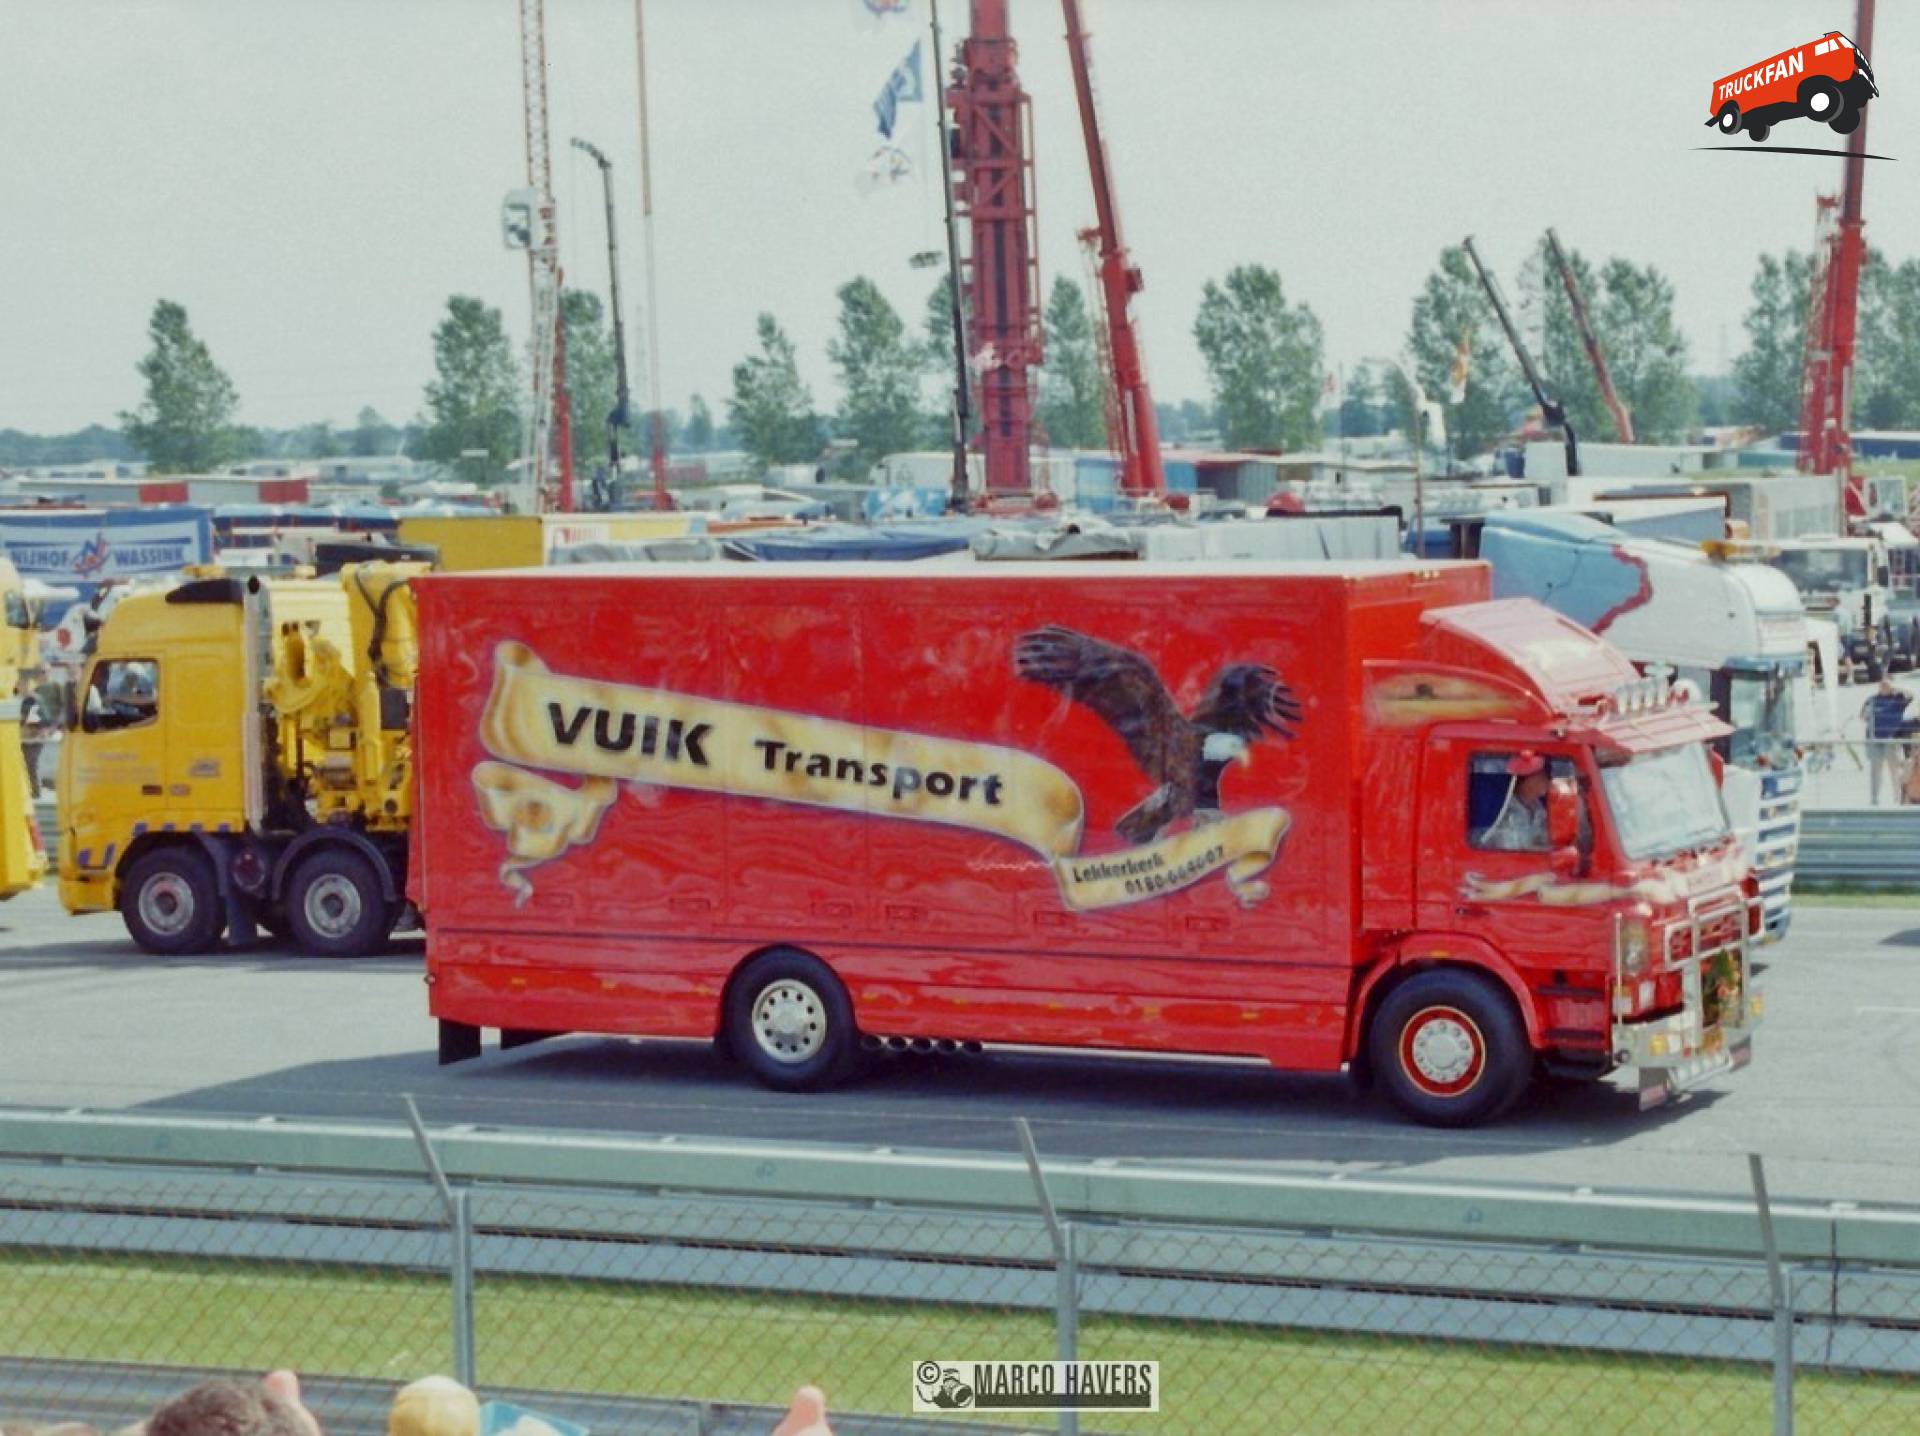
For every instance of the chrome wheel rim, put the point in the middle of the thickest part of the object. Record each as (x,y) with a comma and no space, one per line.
(789,1021)
(1443,1052)
(166,904)
(332,905)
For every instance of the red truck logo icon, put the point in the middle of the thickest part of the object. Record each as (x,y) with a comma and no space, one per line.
(1827,80)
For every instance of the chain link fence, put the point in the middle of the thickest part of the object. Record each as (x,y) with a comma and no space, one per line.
(664,1311)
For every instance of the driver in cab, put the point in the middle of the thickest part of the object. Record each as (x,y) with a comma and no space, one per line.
(1521,824)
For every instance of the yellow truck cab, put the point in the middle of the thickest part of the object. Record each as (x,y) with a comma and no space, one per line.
(238,754)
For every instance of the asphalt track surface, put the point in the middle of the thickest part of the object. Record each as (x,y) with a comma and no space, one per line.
(1832,1100)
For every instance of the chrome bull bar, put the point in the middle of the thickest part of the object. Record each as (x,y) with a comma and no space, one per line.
(1681,1050)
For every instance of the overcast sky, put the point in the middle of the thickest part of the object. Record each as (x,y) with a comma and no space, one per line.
(313,178)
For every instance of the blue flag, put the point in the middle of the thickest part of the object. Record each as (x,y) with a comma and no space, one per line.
(903,87)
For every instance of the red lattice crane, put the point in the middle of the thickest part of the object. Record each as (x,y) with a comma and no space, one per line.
(992,152)
(1138,438)
(549,448)
(1826,380)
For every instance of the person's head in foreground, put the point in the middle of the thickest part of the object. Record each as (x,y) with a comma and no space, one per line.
(434,1406)
(271,1407)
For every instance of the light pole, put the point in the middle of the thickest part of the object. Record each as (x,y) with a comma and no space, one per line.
(617,420)
(1404,368)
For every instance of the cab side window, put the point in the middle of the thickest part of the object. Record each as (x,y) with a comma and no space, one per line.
(124,693)
(1506,811)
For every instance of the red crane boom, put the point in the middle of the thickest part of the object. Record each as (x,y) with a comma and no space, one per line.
(993,117)
(1138,439)
(1826,383)
(1622,423)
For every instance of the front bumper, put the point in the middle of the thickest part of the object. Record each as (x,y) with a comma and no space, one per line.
(1672,1053)
(1669,1055)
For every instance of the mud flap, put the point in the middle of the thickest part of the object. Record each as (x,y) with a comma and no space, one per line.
(459,1042)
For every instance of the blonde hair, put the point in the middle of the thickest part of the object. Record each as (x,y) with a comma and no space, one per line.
(434,1406)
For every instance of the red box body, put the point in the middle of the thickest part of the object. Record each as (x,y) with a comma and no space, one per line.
(938,929)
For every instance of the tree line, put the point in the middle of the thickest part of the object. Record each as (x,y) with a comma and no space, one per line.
(1264,355)
(472,417)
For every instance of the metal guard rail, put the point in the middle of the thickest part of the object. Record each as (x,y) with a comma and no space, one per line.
(1533,1266)
(1864,847)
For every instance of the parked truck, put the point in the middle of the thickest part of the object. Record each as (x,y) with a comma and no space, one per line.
(1316,815)
(1729,625)
(239,755)
(23,861)
(1849,580)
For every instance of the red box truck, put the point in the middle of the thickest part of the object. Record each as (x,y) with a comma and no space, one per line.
(1320,815)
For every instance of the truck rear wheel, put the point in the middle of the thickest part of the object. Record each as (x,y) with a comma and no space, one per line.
(1449,1048)
(336,906)
(171,902)
(790,1021)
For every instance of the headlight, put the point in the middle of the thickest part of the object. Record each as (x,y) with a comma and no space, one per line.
(1634,942)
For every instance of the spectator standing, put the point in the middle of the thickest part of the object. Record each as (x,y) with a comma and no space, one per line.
(1885,714)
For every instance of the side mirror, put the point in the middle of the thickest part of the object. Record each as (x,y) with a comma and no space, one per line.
(1563,825)
(1563,813)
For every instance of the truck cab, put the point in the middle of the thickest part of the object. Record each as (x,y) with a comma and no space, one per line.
(1850,581)
(237,755)
(1714,618)
(1622,913)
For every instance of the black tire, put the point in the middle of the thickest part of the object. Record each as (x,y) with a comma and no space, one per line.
(1845,123)
(790,1022)
(1472,1026)
(1728,120)
(170,902)
(1820,99)
(1757,133)
(336,906)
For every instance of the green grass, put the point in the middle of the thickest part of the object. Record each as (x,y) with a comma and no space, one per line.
(742,1347)
(1856,897)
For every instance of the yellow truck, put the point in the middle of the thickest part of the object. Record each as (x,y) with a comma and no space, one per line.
(238,756)
(23,862)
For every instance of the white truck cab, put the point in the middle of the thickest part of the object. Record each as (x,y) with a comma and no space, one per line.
(1850,581)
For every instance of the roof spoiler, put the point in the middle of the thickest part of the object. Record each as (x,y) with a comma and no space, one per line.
(208,590)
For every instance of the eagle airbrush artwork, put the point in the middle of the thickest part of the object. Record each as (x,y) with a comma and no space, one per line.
(609,734)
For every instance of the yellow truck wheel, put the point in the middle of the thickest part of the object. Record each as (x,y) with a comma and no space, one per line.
(171,903)
(336,906)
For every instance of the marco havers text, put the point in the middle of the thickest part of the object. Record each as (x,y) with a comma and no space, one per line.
(900,778)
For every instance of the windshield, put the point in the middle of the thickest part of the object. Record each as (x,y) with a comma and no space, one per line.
(1824,570)
(1664,802)
(1760,707)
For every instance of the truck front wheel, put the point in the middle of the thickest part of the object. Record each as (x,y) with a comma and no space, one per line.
(171,902)
(790,1021)
(335,905)
(1449,1048)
